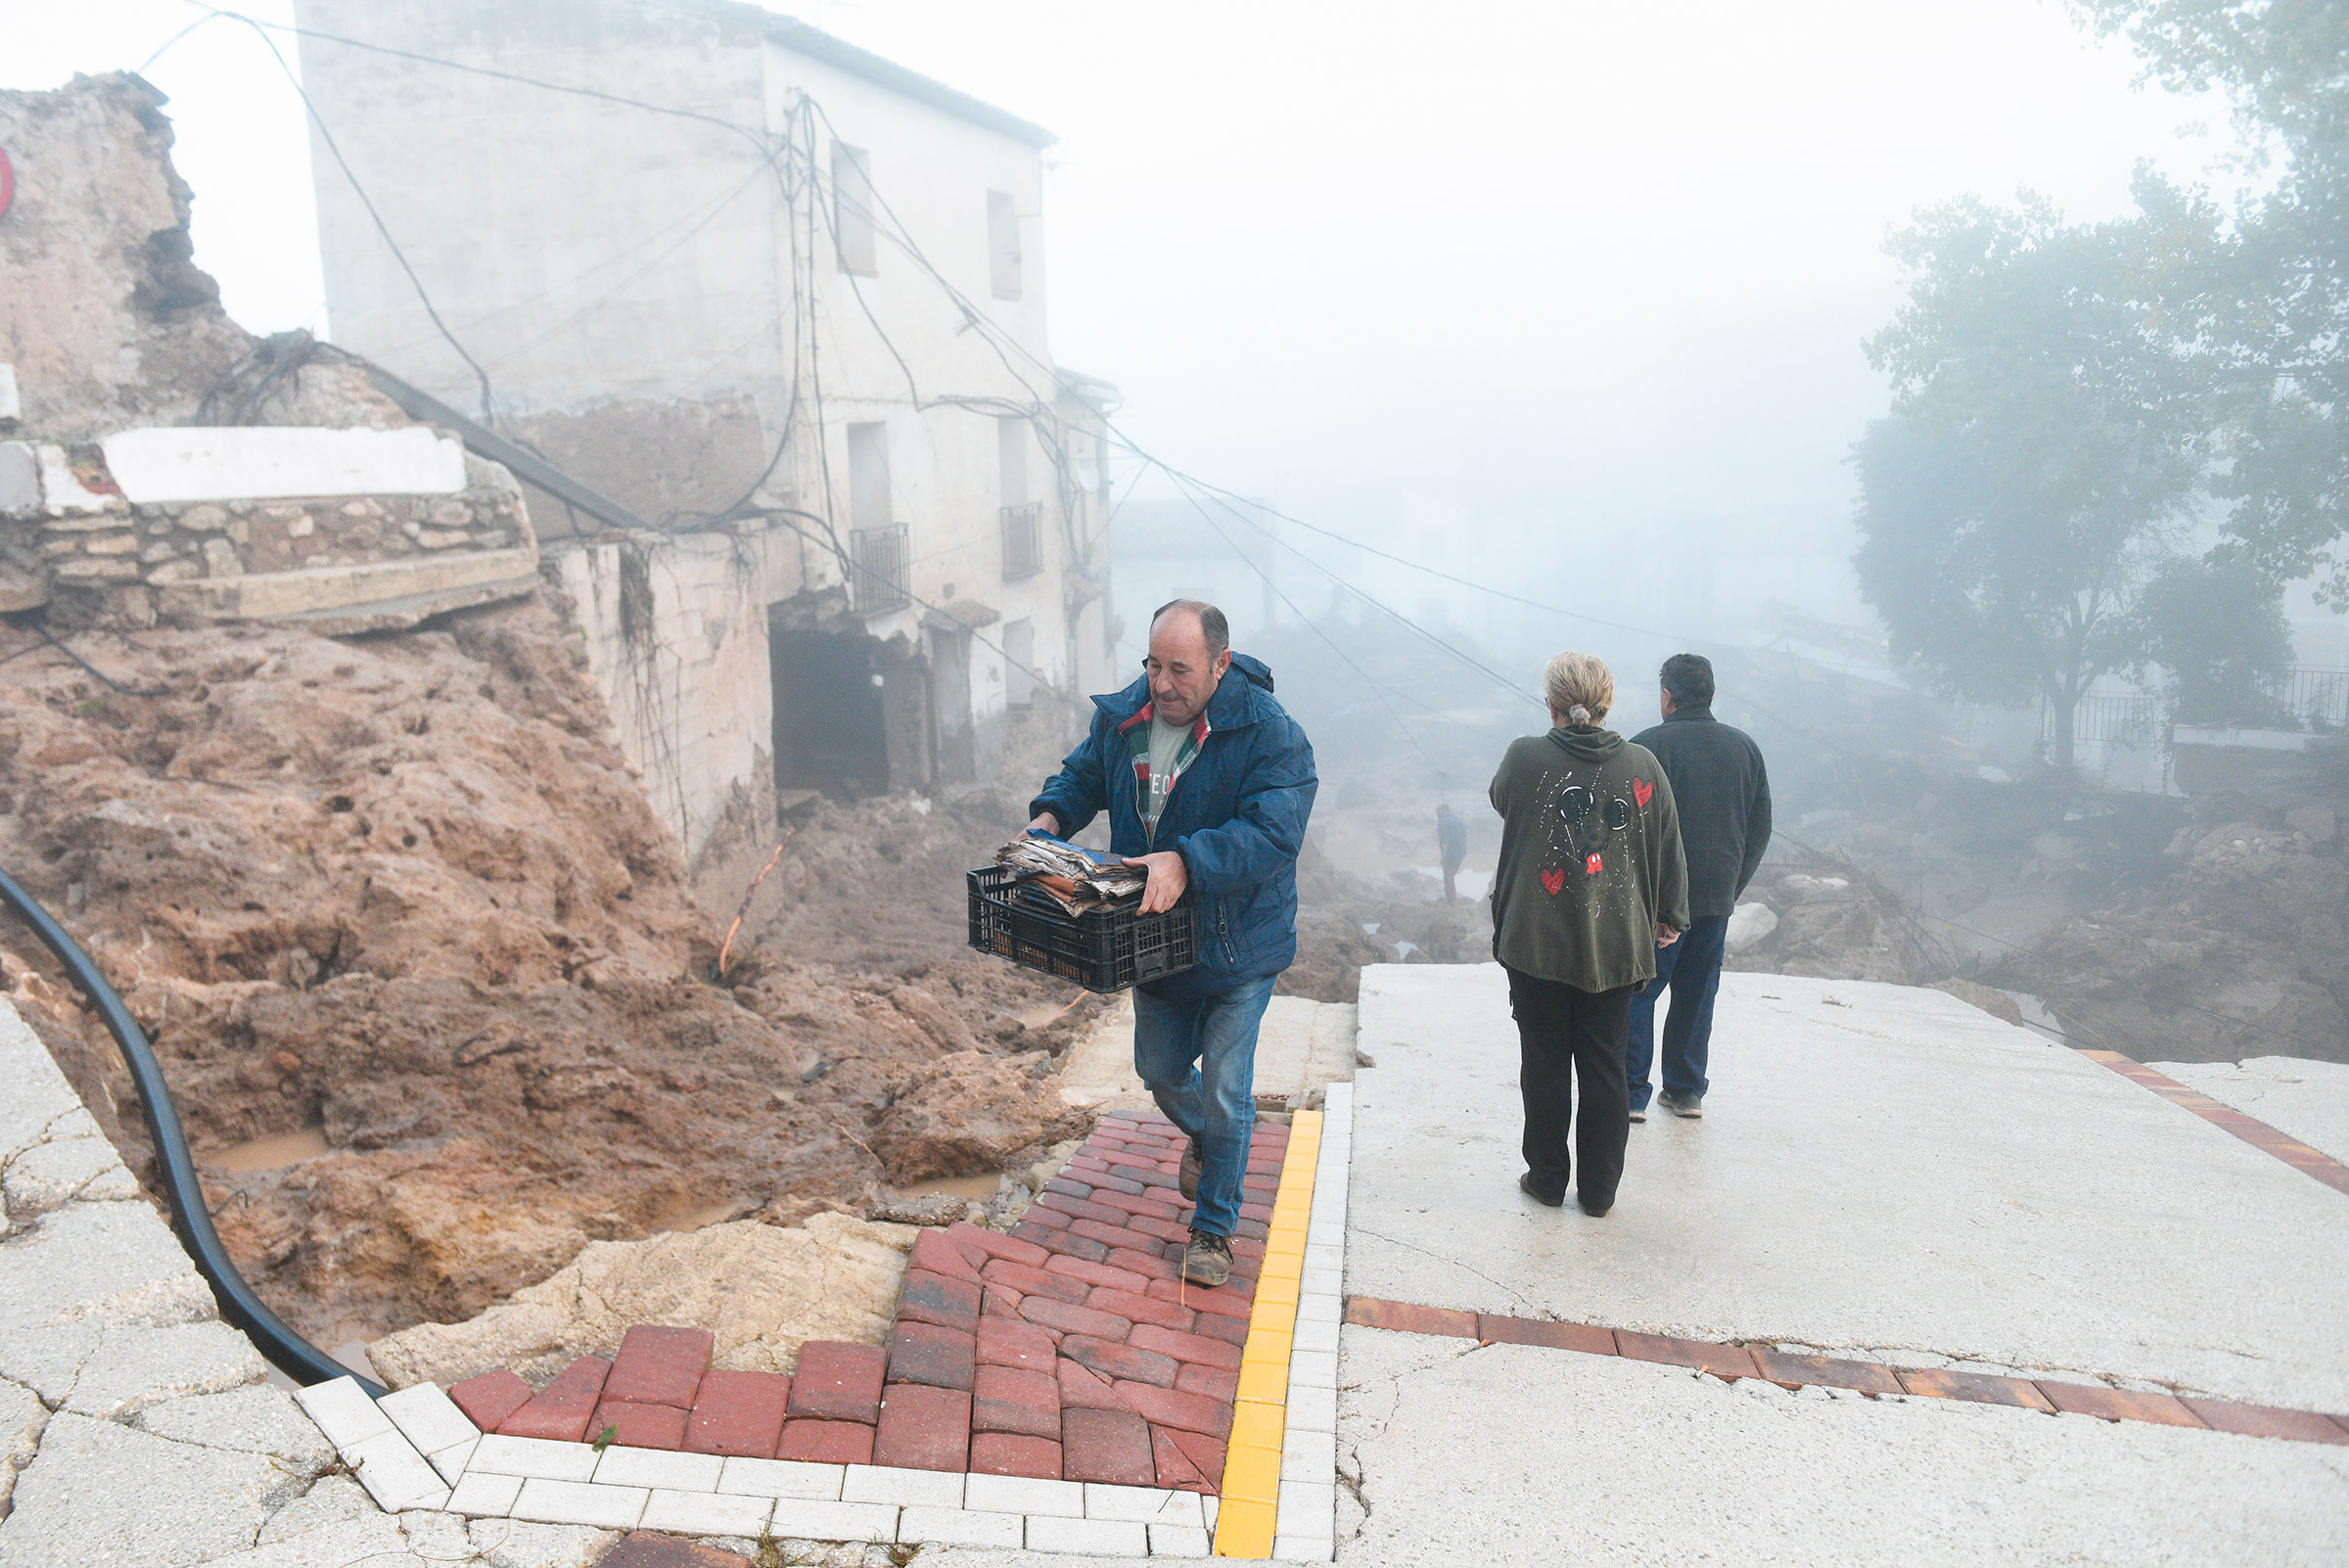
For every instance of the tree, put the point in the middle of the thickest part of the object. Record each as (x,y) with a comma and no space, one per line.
(2216,626)
(2034,473)
(2251,312)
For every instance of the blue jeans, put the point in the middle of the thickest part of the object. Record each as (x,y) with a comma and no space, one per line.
(1173,1041)
(1691,967)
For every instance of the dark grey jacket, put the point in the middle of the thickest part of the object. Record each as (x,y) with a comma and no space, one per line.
(1724,797)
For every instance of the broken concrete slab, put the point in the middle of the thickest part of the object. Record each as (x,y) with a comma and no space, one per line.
(1878,1166)
(1645,1464)
(23,1416)
(213,463)
(254,1419)
(141,1365)
(111,1261)
(100,1492)
(2300,1098)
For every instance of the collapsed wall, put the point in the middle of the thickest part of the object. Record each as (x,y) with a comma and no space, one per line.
(373,872)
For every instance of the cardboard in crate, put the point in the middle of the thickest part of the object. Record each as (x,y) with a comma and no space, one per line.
(1100,949)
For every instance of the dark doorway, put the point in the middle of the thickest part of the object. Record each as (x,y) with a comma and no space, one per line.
(829,733)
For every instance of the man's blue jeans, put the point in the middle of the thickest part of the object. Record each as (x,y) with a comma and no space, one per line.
(1691,967)
(1198,1055)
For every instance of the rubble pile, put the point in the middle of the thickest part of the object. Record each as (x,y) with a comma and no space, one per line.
(404,892)
(2245,952)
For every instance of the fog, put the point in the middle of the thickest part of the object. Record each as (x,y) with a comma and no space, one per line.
(1562,289)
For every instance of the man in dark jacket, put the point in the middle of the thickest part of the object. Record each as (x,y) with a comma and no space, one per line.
(1724,795)
(1208,782)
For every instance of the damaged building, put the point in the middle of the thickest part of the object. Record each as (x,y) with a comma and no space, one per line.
(783,302)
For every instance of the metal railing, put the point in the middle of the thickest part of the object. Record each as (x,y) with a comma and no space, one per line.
(878,558)
(1023,540)
(2112,720)
(191,1220)
(2316,695)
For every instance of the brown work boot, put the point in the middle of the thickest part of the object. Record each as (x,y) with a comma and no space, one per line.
(1194,1161)
(1206,1261)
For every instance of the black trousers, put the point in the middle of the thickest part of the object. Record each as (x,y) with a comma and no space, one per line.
(1563,1035)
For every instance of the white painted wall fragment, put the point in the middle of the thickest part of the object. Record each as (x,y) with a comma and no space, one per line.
(256,462)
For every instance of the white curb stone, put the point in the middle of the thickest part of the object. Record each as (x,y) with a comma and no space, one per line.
(395,1474)
(485,1496)
(1016,1493)
(707,1513)
(659,1467)
(343,1411)
(535,1458)
(1141,1505)
(878,1483)
(1102,1538)
(804,1519)
(581,1502)
(961,1527)
(1177,1540)
(783,1478)
(428,1418)
(452,1461)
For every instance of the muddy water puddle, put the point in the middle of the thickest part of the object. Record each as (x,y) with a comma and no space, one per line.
(272,1153)
(977,1188)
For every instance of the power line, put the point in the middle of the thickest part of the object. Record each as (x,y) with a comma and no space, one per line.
(489,413)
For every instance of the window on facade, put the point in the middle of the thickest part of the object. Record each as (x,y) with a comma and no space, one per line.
(1019,661)
(1023,520)
(1003,245)
(868,477)
(853,209)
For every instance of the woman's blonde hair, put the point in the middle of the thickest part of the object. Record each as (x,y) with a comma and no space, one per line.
(1580,687)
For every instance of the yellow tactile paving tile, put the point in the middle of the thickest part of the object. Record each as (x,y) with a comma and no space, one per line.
(1259,1415)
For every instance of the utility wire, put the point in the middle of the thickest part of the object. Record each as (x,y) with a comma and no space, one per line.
(422,298)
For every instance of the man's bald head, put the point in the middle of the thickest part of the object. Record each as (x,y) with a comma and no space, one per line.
(1214,628)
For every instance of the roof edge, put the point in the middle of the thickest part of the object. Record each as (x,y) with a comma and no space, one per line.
(802,38)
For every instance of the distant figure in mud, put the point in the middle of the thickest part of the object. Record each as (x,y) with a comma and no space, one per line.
(1590,884)
(1208,782)
(1451,842)
(1724,794)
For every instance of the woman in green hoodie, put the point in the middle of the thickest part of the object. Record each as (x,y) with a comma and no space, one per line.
(1591,883)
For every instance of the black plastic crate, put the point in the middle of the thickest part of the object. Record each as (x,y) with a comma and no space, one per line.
(1101,949)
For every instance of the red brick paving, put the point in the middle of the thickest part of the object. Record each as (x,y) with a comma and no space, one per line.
(659,1365)
(826,1442)
(1867,1377)
(738,1414)
(487,1400)
(638,1426)
(924,1428)
(2118,1404)
(2269,1140)
(924,1353)
(1111,1446)
(1003,1453)
(839,1382)
(2258,1420)
(1068,1349)
(560,1410)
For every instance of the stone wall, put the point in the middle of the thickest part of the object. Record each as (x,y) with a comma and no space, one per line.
(97,557)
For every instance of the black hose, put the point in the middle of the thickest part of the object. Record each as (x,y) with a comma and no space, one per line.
(190,1222)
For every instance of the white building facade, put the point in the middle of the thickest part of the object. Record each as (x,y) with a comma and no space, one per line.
(783,300)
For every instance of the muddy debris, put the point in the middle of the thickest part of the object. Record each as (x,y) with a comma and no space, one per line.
(403,893)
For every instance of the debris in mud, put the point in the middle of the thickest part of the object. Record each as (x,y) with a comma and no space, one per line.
(404,890)
(760,1289)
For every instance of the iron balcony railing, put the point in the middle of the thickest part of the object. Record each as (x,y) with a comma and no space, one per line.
(878,557)
(2317,696)
(1023,540)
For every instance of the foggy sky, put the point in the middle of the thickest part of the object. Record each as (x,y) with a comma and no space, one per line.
(1565,286)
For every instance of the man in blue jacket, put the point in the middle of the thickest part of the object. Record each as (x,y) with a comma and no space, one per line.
(1208,782)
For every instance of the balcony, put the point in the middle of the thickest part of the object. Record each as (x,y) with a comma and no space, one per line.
(1023,540)
(877,569)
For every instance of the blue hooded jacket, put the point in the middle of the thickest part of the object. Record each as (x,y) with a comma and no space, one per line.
(1236,816)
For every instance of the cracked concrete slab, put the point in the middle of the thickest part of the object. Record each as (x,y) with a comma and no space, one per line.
(99,1492)
(21,1418)
(113,1262)
(1509,1455)
(1879,1167)
(133,1369)
(2299,1098)
(254,1419)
